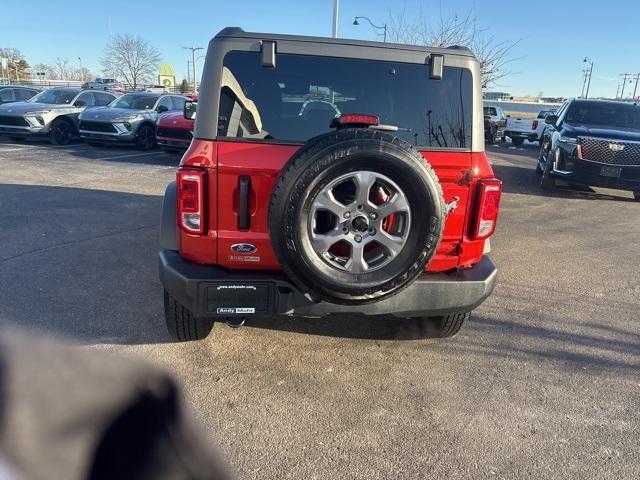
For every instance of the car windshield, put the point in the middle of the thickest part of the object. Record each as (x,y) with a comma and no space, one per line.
(299,98)
(55,96)
(490,111)
(135,101)
(605,114)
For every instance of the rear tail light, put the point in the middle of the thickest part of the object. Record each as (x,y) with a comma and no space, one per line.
(534,126)
(191,200)
(488,205)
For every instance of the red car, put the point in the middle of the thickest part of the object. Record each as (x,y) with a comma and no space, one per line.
(330,177)
(174,132)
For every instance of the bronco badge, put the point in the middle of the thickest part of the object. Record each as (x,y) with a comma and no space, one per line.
(243,248)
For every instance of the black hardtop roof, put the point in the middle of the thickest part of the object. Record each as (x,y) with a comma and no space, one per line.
(237,32)
(599,101)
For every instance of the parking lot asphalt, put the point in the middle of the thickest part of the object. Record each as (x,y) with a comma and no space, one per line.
(544,382)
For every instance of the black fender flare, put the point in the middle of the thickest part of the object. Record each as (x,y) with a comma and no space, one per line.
(168,219)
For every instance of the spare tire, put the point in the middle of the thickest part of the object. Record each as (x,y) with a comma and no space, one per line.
(355,216)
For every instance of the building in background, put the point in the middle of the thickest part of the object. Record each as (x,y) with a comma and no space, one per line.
(497,96)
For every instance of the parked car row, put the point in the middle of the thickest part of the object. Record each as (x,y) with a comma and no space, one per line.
(98,117)
(500,126)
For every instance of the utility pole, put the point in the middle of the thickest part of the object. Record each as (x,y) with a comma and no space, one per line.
(81,72)
(617,91)
(193,63)
(635,89)
(589,71)
(585,73)
(624,83)
(336,7)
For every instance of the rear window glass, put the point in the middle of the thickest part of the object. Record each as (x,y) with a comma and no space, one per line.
(619,115)
(298,99)
(490,111)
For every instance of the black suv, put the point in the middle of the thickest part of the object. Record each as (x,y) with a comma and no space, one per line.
(594,143)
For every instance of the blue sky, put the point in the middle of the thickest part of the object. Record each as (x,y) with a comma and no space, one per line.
(554,37)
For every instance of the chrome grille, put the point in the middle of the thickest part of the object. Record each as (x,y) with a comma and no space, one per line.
(611,152)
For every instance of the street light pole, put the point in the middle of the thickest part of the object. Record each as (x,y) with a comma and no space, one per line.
(81,72)
(378,27)
(336,8)
(193,64)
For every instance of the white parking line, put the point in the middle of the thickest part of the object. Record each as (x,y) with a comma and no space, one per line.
(126,156)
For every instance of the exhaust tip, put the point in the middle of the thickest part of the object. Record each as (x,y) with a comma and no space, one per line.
(235,322)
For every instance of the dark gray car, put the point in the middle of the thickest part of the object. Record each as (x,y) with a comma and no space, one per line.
(16,93)
(53,113)
(131,119)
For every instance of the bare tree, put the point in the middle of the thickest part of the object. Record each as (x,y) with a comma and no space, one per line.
(63,69)
(131,59)
(17,66)
(494,56)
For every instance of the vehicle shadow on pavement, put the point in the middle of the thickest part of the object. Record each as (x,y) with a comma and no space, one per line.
(81,263)
(352,326)
(590,347)
(524,180)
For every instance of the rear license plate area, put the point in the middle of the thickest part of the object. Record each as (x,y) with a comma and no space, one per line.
(238,299)
(613,172)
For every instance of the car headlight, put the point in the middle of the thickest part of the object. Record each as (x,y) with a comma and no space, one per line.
(38,112)
(568,140)
(128,118)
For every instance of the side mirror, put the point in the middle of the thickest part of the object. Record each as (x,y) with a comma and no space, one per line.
(551,119)
(189,111)
(162,109)
(80,104)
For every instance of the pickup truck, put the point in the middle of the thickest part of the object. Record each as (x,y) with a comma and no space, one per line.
(495,121)
(521,129)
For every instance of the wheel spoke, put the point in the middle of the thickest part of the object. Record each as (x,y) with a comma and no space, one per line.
(326,201)
(392,243)
(396,204)
(364,182)
(357,263)
(323,242)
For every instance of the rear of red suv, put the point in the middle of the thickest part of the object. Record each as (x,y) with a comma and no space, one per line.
(330,176)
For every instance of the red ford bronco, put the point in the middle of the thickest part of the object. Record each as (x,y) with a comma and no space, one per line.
(330,176)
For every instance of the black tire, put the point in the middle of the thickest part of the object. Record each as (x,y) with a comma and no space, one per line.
(444,327)
(636,195)
(17,139)
(546,179)
(181,324)
(313,167)
(517,141)
(62,132)
(146,139)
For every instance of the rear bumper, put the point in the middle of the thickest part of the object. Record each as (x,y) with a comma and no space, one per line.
(585,172)
(531,136)
(211,291)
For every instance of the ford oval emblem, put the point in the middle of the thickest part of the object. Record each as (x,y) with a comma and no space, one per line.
(243,248)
